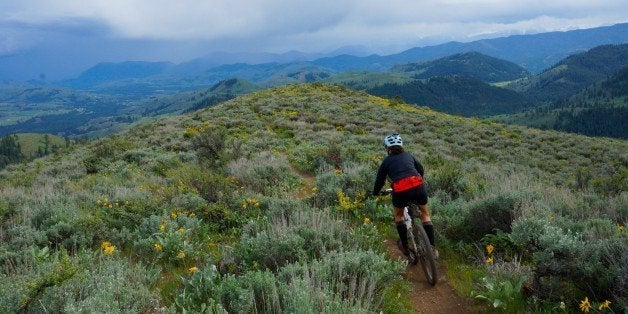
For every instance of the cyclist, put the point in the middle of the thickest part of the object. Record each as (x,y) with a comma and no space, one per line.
(406,174)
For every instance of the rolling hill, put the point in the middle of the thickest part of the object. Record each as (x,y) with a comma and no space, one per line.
(265,195)
(108,71)
(456,95)
(574,73)
(471,64)
(599,110)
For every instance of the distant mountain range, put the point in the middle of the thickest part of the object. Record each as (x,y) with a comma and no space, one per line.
(110,96)
(532,52)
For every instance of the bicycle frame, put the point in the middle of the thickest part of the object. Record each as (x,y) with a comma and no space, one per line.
(418,242)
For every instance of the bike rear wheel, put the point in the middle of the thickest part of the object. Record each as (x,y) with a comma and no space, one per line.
(424,253)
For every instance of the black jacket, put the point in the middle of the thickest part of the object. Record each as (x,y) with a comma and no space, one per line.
(396,167)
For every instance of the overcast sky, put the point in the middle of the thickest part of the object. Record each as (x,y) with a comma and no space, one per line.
(311,26)
(63,37)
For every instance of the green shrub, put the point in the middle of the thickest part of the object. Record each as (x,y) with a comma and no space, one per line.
(359,277)
(264,173)
(354,181)
(307,157)
(252,292)
(170,238)
(503,294)
(109,147)
(210,145)
(568,263)
(488,215)
(82,283)
(200,292)
(295,233)
(211,185)
(93,164)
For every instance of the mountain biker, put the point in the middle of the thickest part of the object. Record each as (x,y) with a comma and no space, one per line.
(406,174)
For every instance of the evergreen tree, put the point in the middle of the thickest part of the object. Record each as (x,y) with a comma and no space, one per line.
(10,150)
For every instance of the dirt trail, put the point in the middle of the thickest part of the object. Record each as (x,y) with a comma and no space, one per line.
(426,298)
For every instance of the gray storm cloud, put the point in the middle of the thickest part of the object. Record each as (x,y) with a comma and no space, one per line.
(313,25)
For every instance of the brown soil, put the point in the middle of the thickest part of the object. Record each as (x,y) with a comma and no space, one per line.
(426,298)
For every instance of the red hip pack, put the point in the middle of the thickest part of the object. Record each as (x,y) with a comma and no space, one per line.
(407,183)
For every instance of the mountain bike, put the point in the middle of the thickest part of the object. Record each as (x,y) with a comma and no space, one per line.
(419,246)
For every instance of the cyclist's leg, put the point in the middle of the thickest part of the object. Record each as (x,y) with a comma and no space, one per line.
(425,213)
(402,230)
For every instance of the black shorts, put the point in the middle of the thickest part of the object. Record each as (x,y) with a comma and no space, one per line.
(417,195)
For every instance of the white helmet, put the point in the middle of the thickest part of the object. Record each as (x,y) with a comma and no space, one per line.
(392,140)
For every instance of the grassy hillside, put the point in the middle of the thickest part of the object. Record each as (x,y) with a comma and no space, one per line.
(31,143)
(456,95)
(366,80)
(574,73)
(260,204)
(472,64)
(599,110)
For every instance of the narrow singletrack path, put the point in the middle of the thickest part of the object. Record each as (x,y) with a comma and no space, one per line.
(426,298)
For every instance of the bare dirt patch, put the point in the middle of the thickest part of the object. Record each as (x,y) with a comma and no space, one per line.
(426,298)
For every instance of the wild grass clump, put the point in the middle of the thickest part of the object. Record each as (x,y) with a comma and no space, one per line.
(354,281)
(85,282)
(295,232)
(359,277)
(265,173)
(346,187)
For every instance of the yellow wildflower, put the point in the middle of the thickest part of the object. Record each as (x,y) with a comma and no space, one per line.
(162,227)
(181,255)
(490,248)
(98,202)
(211,244)
(158,247)
(192,214)
(192,269)
(604,305)
(173,214)
(489,260)
(107,247)
(585,306)
(367,220)
(620,228)
(181,230)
